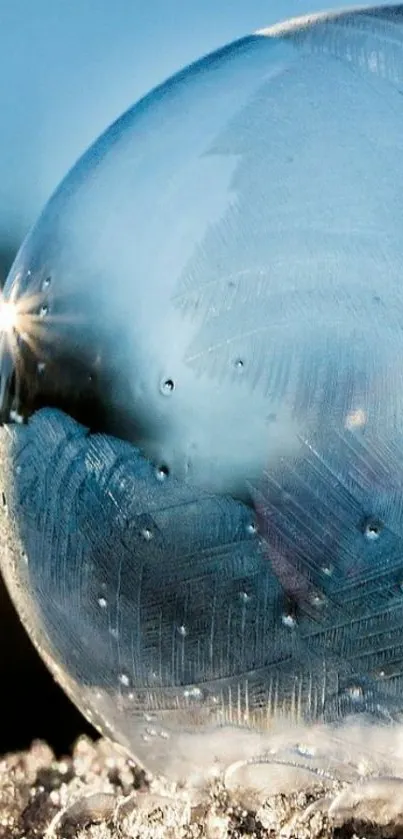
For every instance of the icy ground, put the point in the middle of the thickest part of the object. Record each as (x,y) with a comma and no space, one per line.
(320,783)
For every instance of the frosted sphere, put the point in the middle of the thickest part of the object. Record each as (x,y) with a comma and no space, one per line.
(202,397)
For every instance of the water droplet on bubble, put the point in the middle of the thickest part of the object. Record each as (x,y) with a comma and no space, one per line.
(162,473)
(167,387)
(192,566)
(252,529)
(372,529)
(288,620)
(318,599)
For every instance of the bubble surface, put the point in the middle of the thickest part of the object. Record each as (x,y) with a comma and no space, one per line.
(202,449)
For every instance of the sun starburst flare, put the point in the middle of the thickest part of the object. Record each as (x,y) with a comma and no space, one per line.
(19,319)
(27,323)
(8,316)
(25,318)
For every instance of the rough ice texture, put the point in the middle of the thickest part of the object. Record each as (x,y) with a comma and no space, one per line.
(97,793)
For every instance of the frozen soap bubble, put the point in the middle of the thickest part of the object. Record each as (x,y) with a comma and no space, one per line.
(202,396)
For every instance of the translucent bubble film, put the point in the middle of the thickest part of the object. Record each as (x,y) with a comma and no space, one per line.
(202,402)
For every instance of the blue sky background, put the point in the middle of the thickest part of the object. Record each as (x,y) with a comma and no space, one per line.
(69,67)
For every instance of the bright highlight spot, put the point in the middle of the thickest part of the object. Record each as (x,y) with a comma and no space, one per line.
(8,316)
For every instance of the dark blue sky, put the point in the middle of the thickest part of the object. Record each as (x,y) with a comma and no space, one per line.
(69,67)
